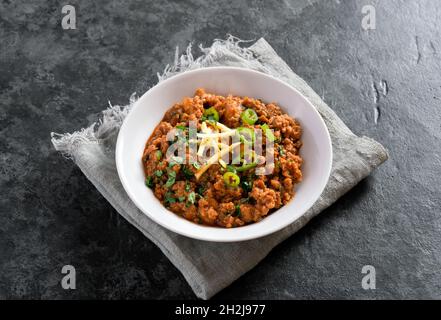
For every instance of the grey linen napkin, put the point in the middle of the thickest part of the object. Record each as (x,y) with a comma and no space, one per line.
(209,267)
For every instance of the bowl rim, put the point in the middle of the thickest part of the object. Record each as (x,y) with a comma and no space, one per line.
(207,237)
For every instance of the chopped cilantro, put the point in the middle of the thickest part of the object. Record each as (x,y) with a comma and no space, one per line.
(169,198)
(201,190)
(192,197)
(175,160)
(187,172)
(281,151)
(171,180)
(149,182)
(237,210)
(246,185)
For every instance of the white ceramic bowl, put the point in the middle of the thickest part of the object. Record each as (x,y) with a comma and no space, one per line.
(148,111)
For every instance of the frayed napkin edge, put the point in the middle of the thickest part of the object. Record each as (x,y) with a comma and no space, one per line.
(67,143)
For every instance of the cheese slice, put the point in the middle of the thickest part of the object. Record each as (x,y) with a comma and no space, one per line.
(209,138)
(216,134)
(223,127)
(214,158)
(222,163)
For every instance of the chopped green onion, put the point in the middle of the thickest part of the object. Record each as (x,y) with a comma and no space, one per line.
(158,173)
(158,154)
(196,165)
(249,116)
(211,114)
(231,179)
(181,199)
(187,186)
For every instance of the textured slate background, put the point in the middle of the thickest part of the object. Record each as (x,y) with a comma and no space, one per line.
(56,80)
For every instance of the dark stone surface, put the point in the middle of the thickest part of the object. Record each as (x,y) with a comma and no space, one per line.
(54,80)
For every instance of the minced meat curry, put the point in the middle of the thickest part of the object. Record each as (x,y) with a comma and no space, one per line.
(213,192)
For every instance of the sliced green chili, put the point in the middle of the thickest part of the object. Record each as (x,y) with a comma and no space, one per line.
(268,132)
(249,116)
(211,114)
(246,134)
(231,179)
(246,167)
